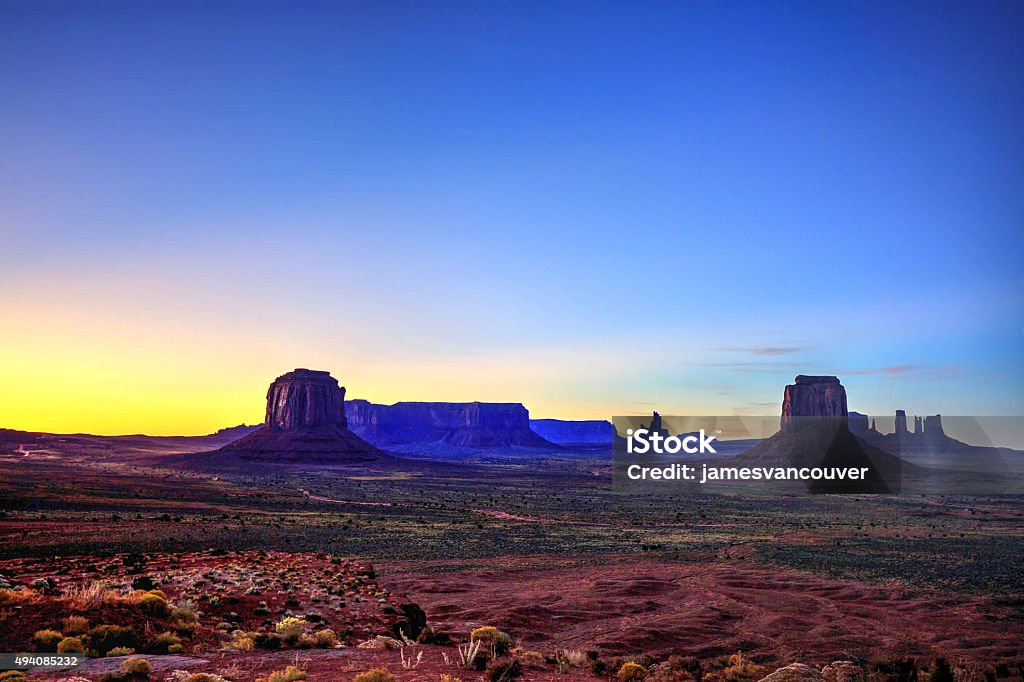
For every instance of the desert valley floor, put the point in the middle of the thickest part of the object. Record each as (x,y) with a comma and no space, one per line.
(200,569)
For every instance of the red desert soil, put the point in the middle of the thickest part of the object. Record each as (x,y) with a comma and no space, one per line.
(625,605)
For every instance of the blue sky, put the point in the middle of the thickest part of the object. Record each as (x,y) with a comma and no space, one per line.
(591,208)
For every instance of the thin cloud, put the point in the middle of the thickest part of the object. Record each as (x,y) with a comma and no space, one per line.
(764,350)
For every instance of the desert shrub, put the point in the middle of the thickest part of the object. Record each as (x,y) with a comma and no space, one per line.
(739,669)
(153,604)
(532,659)
(103,638)
(676,669)
(267,640)
(185,613)
(71,645)
(290,629)
(375,675)
(47,640)
(13,676)
(486,635)
(491,637)
(289,674)
(242,641)
(325,639)
(9,597)
(429,636)
(136,666)
(162,643)
(121,651)
(502,671)
(941,672)
(76,625)
(629,672)
(175,649)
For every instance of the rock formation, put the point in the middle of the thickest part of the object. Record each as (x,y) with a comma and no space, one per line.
(305,398)
(901,424)
(858,422)
(589,431)
(305,420)
(928,435)
(933,428)
(815,432)
(814,396)
(413,425)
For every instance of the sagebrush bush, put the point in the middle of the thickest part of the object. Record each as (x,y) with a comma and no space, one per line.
(289,674)
(154,604)
(375,675)
(13,676)
(162,643)
(47,640)
(136,666)
(71,645)
(76,625)
(103,638)
(629,672)
(290,629)
(242,641)
(325,639)
(121,651)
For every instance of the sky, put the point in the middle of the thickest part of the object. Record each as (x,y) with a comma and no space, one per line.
(592,208)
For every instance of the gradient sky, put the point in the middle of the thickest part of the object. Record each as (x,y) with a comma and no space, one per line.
(592,208)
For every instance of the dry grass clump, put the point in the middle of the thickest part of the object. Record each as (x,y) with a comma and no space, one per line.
(739,669)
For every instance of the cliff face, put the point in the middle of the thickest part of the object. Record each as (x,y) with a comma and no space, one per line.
(469,425)
(589,431)
(814,396)
(305,398)
(305,420)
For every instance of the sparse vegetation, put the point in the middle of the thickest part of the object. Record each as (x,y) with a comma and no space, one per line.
(375,675)
(631,672)
(289,674)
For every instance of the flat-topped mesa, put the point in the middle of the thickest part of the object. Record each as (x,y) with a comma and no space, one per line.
(454,425)
(305,398)
(814,396)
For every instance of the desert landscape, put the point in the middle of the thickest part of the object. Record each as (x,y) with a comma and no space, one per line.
(300,549)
